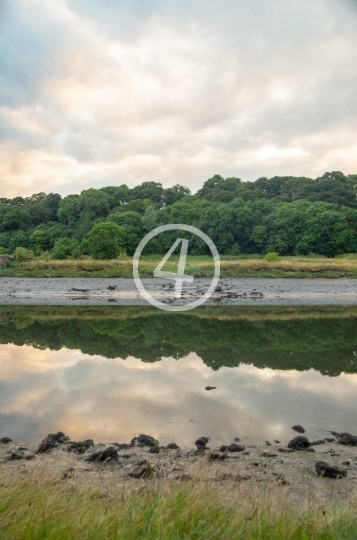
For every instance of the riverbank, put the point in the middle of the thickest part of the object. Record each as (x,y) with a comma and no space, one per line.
(80,463)
(198,266)
(149,491)
(229,292)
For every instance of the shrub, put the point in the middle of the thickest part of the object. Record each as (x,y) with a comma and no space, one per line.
(3,251)
(233,250)
(65,247)
(22,254)
(272,257)
(103,240)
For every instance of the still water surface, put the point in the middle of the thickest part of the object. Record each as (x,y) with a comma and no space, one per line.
(112,373)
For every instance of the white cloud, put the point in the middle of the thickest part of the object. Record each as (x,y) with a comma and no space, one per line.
(97,93)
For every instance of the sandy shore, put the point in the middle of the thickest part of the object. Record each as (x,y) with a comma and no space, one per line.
(230,291)
(130,464)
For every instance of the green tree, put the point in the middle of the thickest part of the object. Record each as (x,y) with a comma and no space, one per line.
(37,207)
(132,223)
(65,247)
(22,254)
(148,190)
(13,218)
(149,219)
(53,201)
(103,240)
(39,240)
(175,194)
(68,211)
(260,236)
(219,189)
(117,195)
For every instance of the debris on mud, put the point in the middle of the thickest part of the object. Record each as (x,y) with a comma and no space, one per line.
(329,471)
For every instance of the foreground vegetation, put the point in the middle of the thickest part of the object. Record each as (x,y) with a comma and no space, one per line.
(54,512)
(199,266)
(288,215)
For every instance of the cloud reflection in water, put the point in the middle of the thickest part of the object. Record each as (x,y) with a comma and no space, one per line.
(112,399)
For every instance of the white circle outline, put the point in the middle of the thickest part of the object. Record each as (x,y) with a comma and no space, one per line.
(171,227)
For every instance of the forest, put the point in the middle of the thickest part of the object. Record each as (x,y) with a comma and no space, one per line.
(284,214)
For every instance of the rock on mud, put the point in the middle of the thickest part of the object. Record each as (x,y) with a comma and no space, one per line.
(329,471)
(217,456)
(51,441)
(80,447)
(347,439)
(109,454)
(5,440)
(201,443)
(142,470)
(232,448)
(298,428)
(20,455)
(269,454)
(299,443)
(144,440)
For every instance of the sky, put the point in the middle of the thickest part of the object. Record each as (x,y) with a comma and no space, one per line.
(106,92)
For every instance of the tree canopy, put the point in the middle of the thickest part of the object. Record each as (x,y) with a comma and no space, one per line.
(287,214)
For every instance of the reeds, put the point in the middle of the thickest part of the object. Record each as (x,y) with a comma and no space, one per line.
(199,266)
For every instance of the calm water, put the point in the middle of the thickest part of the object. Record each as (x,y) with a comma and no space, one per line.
(111,373)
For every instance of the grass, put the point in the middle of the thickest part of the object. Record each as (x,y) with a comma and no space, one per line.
(50,511)
(199,266)
(29,314)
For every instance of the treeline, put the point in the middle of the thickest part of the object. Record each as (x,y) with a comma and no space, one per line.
(289,215)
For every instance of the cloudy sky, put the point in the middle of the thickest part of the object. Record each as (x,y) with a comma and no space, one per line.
(104,92)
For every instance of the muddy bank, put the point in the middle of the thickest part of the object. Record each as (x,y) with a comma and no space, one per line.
(327,467)
(230,291)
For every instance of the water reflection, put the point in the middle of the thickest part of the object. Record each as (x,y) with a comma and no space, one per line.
(269,373)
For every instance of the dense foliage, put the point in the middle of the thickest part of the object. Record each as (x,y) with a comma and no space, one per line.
(287,215)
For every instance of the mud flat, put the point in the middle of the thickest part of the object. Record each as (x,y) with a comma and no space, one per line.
(230,291)
(327,467)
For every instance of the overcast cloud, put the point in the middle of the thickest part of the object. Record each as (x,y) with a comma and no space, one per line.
(104,92)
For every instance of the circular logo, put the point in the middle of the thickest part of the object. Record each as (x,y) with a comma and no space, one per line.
(180,277)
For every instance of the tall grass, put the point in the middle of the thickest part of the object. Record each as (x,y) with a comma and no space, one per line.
(199,266)
(51,512)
